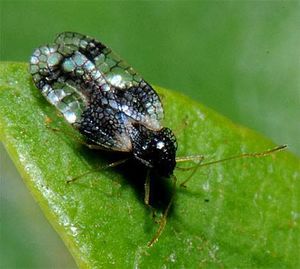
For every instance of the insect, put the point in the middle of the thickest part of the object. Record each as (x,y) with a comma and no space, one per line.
(113,108)
(104,99)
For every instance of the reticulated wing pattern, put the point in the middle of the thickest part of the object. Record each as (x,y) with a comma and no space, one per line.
(90,84)
(106,127)
(142,104)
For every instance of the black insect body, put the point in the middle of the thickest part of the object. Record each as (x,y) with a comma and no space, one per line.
(111,105)
(105,99)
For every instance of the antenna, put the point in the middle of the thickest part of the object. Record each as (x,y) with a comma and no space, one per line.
(200,158)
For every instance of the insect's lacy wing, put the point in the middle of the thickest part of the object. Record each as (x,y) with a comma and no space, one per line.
(65,75)
(142,104)
(76,67)
(58,89)
(88,46)
(109,73)
(115,70)
(105,127)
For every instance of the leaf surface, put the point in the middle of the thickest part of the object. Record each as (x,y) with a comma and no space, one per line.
(242,213)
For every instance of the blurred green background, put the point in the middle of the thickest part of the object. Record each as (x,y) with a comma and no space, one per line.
(239,58)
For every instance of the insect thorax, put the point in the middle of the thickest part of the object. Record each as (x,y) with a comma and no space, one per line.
(155,149)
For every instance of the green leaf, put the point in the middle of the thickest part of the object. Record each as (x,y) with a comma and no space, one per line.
(243,213)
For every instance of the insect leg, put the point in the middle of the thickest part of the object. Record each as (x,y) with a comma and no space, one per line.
(110,165)
(163,220)
(147,194)
(198,158)
(147,188)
